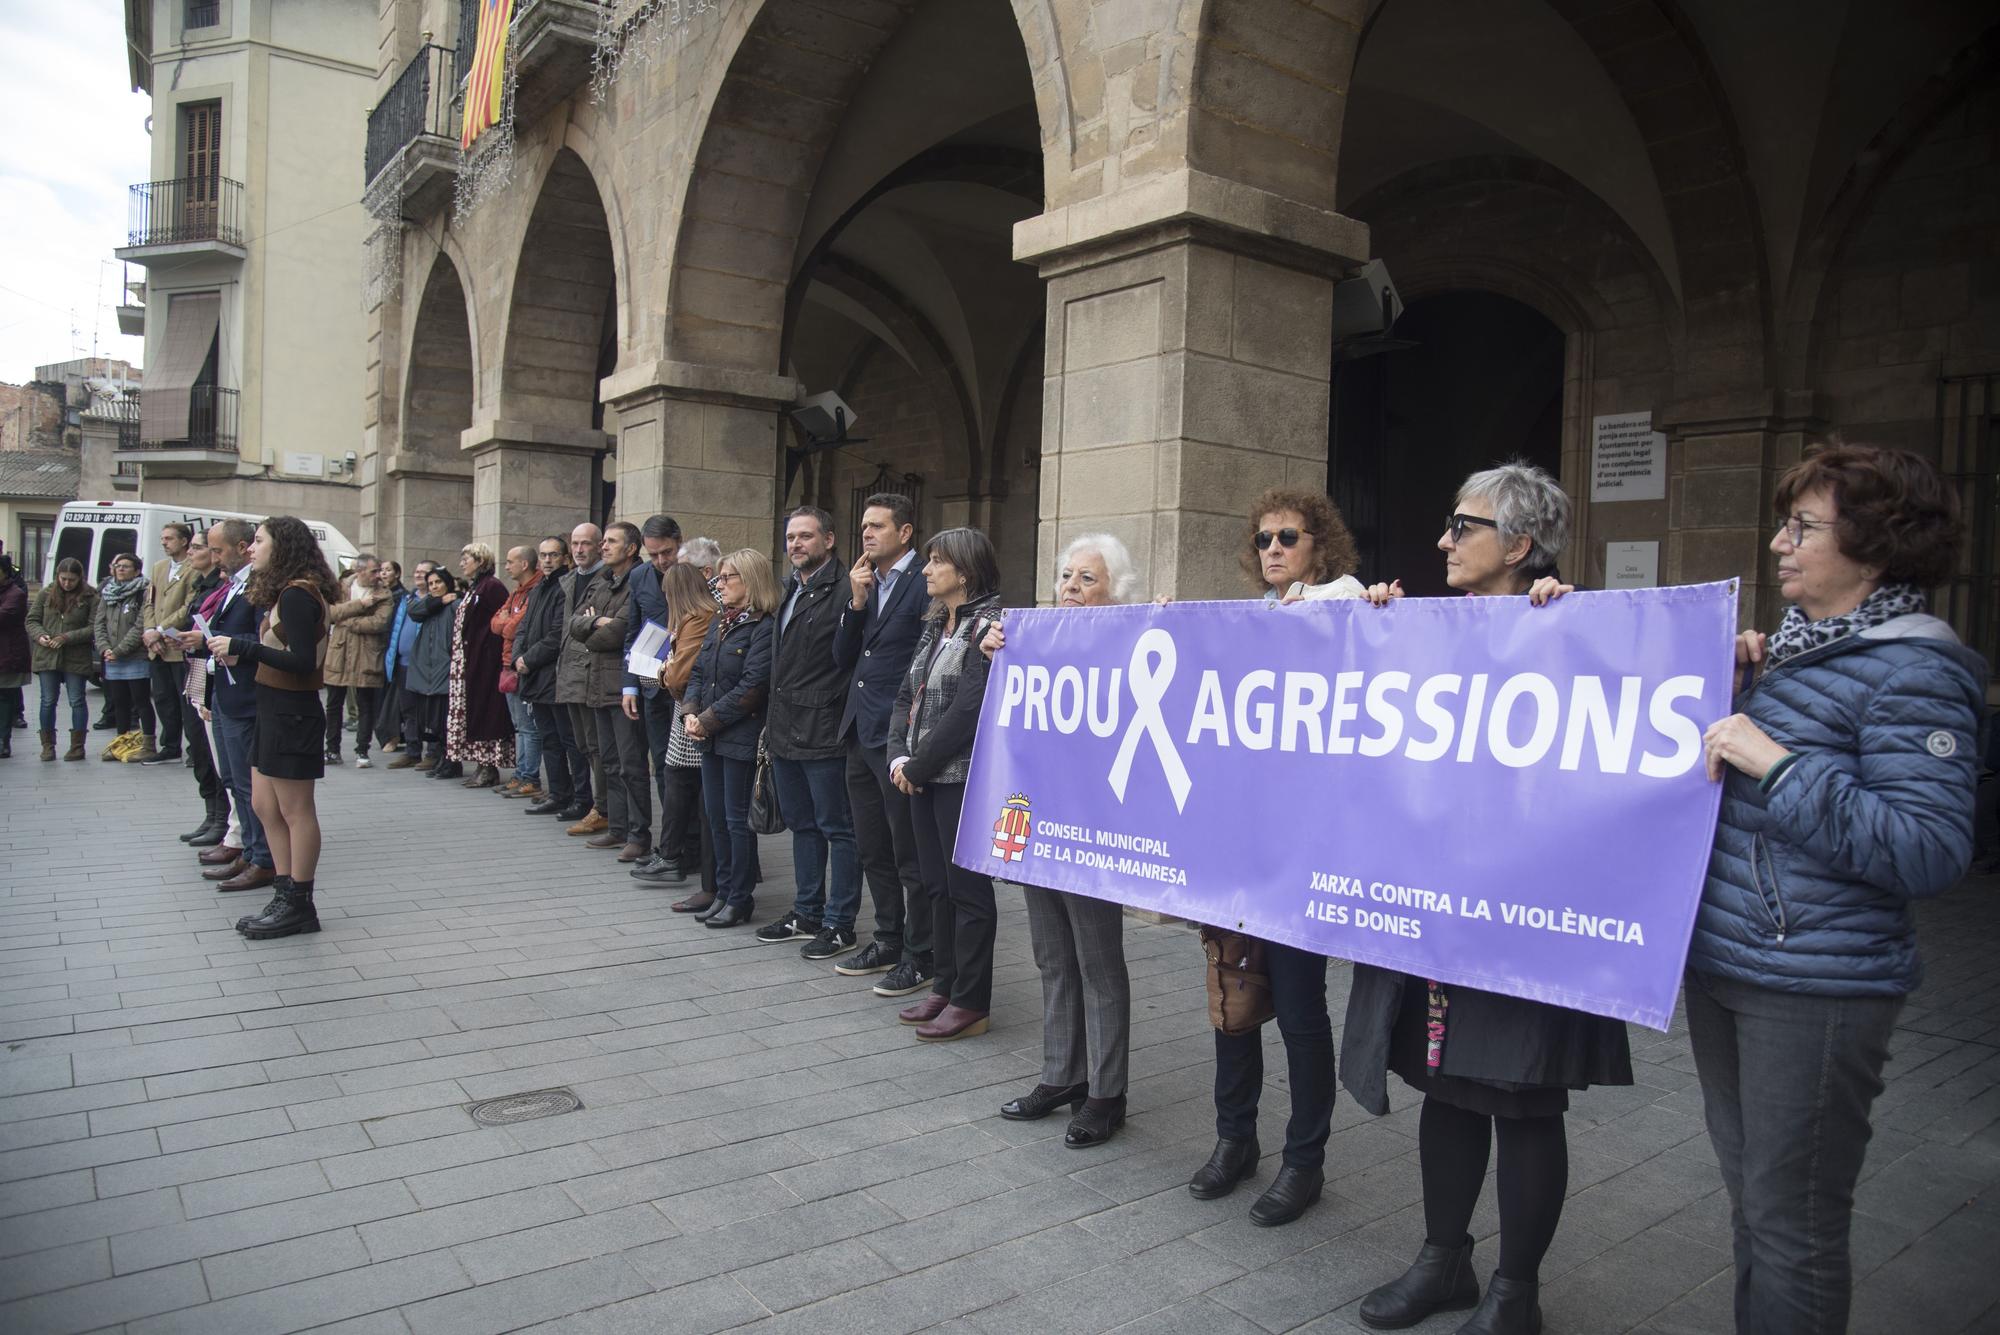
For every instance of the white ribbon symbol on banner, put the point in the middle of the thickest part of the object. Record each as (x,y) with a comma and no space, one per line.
(1149,680)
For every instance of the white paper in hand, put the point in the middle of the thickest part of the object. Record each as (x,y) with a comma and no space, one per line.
(645,661)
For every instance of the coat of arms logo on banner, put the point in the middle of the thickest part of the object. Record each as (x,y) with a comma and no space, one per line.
(1010,832)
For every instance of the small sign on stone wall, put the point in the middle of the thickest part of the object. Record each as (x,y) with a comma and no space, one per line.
(1628,459)
(306,465)
(1631,565)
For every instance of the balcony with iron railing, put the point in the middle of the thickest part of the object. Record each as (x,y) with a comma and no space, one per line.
(206,443)
(413,130)
(191,217)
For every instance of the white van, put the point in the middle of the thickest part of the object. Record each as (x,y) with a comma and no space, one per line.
(94,532)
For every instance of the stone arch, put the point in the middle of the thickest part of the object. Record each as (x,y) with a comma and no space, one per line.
(771,110)
(1660,65)
(440,375)
(564,281)
(1978,65)
(580,138)
(1268,91)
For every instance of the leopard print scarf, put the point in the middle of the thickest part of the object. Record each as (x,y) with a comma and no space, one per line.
(1797,633)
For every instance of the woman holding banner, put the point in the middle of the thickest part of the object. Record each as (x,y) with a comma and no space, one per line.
(1294,537)
(1489,1066)
(1079,942)
(1848,791)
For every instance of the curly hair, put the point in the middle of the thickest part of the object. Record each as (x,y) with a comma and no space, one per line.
(1334,552)
(295,557)
(1893,510)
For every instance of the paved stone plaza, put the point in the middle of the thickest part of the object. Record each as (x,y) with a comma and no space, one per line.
(202,1134)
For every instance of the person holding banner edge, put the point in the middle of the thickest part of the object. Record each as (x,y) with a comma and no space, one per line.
(1294,537)
(1849,774)
(1489,1066)
(931,728)
(1079,941)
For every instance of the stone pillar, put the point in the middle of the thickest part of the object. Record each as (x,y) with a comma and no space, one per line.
(528,480)
(1725,454)
(703,444)
(1189,350)
(423,508)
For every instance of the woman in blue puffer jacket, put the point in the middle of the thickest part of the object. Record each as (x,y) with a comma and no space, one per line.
(1849,777)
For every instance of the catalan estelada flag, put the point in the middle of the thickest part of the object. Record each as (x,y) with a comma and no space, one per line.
(487,83)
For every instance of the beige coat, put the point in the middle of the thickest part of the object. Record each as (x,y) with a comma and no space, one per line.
(167,604)
(357,636)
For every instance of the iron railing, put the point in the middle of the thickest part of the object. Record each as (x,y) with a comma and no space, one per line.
(211,424)
(420,102)
(468,39)
(189,209)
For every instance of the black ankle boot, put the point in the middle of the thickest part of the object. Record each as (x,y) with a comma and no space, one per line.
(278,888)
(1097,1123)
(1510,1307)
(294,914)
(1232,1161)
(1042,1100)
(1290,1192)
(1441,1280)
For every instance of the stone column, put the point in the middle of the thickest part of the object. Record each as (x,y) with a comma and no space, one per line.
(1725,454)
(703,444)
(528,480)
(1189,350)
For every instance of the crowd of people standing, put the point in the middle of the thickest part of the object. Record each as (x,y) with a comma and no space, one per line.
(610,669)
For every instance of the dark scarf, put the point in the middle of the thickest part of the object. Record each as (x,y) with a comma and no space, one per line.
(1798,632)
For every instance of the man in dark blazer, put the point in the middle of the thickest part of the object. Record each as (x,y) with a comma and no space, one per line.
(875,640)
(233,707)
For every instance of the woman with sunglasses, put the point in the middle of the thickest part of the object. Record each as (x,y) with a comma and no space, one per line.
(1486,1064)
(1848,791)
(1294,537)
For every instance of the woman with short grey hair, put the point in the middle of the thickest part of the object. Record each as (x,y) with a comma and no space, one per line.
(1490,1067)
(1079,942)
(705,555)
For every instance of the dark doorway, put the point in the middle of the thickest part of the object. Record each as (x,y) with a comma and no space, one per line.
(1475,379)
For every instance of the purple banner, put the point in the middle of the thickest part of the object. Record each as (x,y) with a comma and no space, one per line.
(1468,789)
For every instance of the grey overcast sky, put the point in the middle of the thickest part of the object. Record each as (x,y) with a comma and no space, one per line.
(74,143)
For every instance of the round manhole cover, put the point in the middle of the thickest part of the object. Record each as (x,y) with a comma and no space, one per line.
(525,1107)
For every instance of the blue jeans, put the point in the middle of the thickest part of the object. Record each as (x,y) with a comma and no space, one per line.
(725,792)
(1787,1080)
(813,796)
(52,684)
(527,738)
(232,763)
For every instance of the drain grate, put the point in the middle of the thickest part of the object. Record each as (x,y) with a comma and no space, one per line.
(510,1108)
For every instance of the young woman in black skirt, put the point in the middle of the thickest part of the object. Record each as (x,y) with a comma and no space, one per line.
(290,580)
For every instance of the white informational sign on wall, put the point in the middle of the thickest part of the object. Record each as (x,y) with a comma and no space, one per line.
(1628,459)
(305,465)
(1631,565)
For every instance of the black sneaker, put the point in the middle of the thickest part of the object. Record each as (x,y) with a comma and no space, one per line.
(831,942)
(333,757)
(164,758)
(912,975)
(785,928)
(874,958)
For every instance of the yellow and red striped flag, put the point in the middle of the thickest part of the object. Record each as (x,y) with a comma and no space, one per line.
(487,83)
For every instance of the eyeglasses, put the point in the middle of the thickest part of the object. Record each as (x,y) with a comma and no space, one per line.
(726,576)
(1284,537)
(1796,527)
(1458,523)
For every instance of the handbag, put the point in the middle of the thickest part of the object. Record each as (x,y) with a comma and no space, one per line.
(765,815)
(510,681)
(1239,991)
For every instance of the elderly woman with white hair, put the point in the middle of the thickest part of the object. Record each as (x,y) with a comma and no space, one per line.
(1487,1065)
(478,728)
(705,555)
(1079,942)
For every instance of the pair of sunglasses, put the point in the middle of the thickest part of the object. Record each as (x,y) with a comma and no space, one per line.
(1284,537)
(1458,523)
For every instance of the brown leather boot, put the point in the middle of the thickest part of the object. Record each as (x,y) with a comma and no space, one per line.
(147,750)
(252,877)
(592,823)
(48,743)
(75,751)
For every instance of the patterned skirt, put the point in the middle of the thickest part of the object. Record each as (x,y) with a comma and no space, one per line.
(456,747)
